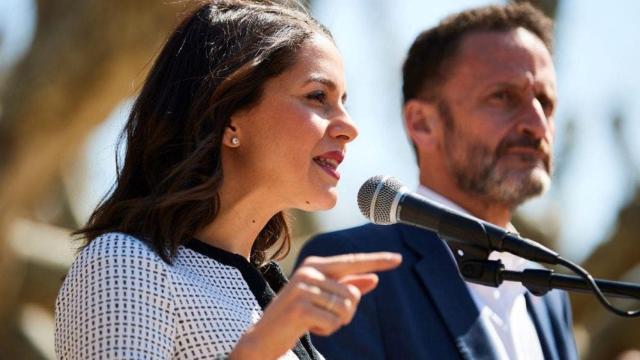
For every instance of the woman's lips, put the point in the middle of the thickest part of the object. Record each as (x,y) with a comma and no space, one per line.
(329,162)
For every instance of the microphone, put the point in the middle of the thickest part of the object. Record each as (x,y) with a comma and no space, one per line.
(384,200)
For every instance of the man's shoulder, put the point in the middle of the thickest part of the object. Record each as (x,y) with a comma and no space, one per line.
(359,237)
(364,238)
(362,230)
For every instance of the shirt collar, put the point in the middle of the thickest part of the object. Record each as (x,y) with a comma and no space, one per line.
(510,261)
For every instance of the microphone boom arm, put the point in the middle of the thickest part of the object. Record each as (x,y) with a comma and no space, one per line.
(541,281)
(384,200)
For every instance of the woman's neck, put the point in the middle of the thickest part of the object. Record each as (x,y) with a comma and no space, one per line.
(238,222)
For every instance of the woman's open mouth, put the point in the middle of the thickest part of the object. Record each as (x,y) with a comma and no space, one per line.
(329,162)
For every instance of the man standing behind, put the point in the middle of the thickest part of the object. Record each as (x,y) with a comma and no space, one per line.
(479,100)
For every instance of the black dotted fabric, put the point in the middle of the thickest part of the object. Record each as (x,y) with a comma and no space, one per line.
(120,300)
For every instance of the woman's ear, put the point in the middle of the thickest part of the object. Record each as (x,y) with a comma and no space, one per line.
(421,120)
(231,137)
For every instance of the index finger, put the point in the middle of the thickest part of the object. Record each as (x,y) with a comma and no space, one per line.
(350,264)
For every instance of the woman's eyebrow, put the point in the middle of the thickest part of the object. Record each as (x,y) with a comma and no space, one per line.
(322,80)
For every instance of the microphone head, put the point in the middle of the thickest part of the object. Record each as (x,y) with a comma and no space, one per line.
(378,199)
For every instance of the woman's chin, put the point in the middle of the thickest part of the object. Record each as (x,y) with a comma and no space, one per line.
(326,202)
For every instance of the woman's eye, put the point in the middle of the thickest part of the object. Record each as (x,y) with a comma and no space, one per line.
(318,96)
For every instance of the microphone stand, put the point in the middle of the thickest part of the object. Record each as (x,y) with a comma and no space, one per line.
(541,281)
(475,267)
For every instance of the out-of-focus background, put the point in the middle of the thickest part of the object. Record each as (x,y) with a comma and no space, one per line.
(70,69)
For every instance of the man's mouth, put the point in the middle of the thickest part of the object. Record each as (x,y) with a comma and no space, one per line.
(530,156)
(526,148)
(527,152)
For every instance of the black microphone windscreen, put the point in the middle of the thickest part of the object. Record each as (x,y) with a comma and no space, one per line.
(376,199)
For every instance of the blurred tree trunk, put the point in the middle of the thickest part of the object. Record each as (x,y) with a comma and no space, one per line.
(614,259)
(608,334)
(81,64)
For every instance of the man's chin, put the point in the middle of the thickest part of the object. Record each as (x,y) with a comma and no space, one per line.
(516,188)
(540,179)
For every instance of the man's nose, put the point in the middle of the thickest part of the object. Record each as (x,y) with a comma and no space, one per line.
(534,121)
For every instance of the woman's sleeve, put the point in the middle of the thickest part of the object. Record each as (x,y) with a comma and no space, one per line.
(115,303)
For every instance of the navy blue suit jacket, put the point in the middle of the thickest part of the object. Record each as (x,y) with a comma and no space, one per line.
(423,309)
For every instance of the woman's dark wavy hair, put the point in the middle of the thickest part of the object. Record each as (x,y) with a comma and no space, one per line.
(214,64)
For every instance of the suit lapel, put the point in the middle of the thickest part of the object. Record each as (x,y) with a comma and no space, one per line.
(540,316)
(437,270)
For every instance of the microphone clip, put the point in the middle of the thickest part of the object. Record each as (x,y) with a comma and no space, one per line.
(474,264)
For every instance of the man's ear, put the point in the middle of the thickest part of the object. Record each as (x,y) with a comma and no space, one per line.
(422,122)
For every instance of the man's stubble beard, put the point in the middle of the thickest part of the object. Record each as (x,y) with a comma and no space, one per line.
(477,170)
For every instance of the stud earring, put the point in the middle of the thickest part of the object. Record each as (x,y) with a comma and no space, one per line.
(235,141)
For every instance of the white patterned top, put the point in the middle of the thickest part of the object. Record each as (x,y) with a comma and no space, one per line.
(120,300)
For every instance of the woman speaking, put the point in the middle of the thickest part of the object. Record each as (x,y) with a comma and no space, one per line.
(241,117)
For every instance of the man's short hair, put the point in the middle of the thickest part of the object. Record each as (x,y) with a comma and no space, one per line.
(427,63)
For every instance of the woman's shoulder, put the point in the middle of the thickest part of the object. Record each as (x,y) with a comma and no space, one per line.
(117,296)
(117,244)
(113,252)
(116,264)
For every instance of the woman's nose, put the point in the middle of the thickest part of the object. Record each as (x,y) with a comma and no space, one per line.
(343,128)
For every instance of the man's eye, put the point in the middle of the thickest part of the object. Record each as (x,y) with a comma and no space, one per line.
(546,103)
(318,96)
(501,95)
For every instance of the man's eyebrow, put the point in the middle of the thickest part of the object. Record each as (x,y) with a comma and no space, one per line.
(523,84)
(512,83)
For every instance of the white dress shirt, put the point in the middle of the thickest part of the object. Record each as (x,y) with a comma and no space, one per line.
(504,308)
